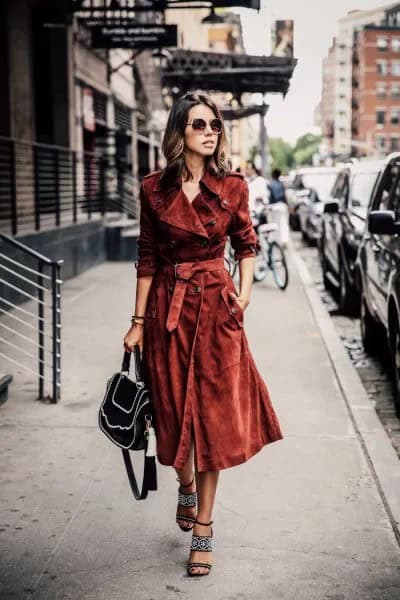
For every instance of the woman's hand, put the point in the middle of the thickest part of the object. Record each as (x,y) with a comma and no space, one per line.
(243,302)
(134,337)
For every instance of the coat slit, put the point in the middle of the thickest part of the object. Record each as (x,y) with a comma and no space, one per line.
(189,430)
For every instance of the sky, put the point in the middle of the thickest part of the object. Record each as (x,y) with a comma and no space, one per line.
(315,24)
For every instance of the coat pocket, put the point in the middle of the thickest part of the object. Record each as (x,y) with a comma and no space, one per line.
(229,335)
(234,309)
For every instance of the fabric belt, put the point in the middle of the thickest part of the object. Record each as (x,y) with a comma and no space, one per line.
(183,272)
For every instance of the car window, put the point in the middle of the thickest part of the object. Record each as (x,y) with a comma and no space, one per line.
(321,183)
(395,200)
(384,197)
(362,185)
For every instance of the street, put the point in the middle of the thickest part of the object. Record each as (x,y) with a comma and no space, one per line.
(314,516)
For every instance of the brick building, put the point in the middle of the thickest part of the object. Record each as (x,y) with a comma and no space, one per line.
(327,105)
(376,91)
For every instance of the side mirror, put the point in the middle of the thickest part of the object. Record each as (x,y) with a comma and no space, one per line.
(383,222)
(331,207)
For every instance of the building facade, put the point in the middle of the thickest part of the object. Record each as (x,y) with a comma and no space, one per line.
(376,91)
(353,21)
(327,105)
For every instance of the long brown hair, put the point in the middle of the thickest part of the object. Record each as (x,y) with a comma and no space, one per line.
(173,140)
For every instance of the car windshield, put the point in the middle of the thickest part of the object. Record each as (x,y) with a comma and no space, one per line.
(361,189)
(322,183)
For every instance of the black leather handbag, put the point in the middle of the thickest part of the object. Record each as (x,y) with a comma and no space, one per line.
(126,417)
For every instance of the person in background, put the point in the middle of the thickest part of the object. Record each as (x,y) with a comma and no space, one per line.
(278,203)
(257,185)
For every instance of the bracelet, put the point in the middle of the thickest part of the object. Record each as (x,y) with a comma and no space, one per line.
(137,320)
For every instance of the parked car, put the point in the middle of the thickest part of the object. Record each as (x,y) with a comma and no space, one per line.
(343,224)
(310,190)
(378,266)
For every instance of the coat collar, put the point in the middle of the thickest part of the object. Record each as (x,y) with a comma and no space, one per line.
(209,180)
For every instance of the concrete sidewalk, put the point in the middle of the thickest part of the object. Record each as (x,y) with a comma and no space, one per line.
(302,520)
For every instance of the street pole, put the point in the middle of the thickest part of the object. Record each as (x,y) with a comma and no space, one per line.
(263,143)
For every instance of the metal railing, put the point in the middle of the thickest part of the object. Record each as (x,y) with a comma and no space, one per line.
(43,186)
(30,333)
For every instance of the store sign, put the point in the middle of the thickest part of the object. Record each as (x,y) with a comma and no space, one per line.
(282,39)
(134,36)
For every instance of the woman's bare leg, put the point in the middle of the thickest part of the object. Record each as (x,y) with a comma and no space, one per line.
(206,491)
(186,475)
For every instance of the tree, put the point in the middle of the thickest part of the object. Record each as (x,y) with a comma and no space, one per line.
(305,148)
(281,153)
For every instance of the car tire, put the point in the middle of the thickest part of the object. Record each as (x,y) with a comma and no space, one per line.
(394,336)
(348,301)
(371,331)
(324,266)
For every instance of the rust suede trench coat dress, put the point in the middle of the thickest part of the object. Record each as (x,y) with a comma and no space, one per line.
(201,374)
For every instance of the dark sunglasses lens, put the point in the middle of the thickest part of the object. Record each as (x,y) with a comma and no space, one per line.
(216,125)
(199,124)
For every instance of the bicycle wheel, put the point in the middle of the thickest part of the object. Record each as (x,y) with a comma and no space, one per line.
(260,266)
(277,262)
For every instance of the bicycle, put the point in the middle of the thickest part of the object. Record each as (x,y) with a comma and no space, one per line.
(271,255)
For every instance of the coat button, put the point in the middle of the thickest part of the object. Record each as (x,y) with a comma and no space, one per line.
(213,222)
(197,288)
(202,243)
(225,202)
(234,310)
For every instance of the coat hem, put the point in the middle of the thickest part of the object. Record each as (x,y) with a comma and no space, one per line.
(219,466)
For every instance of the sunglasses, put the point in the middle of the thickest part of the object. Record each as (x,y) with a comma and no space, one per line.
(201,124)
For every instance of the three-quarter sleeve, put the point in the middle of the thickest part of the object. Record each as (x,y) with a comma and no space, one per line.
(147,242)
(243,237)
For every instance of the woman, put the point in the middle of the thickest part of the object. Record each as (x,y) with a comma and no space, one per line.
(212,408)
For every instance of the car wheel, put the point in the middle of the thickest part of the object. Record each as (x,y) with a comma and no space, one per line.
(347,296)
(395,363)
(294,221)
(371,332)
(324,266)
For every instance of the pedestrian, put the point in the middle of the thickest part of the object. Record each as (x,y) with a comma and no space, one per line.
(212,408)
(279,206)
(257,186)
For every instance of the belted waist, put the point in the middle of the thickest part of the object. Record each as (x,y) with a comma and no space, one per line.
(183,272)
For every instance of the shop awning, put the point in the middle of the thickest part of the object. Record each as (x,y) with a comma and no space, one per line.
(224,72)
(241,112)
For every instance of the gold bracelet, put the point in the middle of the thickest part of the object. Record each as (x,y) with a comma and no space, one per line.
(137,320)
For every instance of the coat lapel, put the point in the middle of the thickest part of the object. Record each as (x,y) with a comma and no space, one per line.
(178,212)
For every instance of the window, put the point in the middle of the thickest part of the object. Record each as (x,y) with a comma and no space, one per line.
(382,200)
(380,117)
(381,43)
(381,89)
(395,144)
(396,68)
(382,67)
(396,44)
(395,90)
(362,185)
(395,117)
(380,143)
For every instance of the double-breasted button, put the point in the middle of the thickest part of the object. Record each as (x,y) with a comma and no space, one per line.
(234,310)
(213,222)
(202,243)
(225,202)
(197,288)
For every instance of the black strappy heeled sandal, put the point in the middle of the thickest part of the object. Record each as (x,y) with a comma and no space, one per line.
(186,499)
(201,543)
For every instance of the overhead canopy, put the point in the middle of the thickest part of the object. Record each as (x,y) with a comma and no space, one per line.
(241,112)
(224,72)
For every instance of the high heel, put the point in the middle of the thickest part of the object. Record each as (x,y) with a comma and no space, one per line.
(201,543)
(186,499)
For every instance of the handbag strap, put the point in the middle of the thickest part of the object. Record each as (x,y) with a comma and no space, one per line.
(138,363)
(149,475)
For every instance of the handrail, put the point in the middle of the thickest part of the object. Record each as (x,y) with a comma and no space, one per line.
(30,251)
(53,305)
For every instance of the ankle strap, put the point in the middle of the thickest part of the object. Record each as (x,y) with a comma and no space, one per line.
(185,485)
(200,523)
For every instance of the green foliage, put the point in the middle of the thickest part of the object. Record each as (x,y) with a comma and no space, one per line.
(286,157)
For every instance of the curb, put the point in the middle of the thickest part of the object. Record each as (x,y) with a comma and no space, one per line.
(378,450)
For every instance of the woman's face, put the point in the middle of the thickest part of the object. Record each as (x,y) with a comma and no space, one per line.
(201,142)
